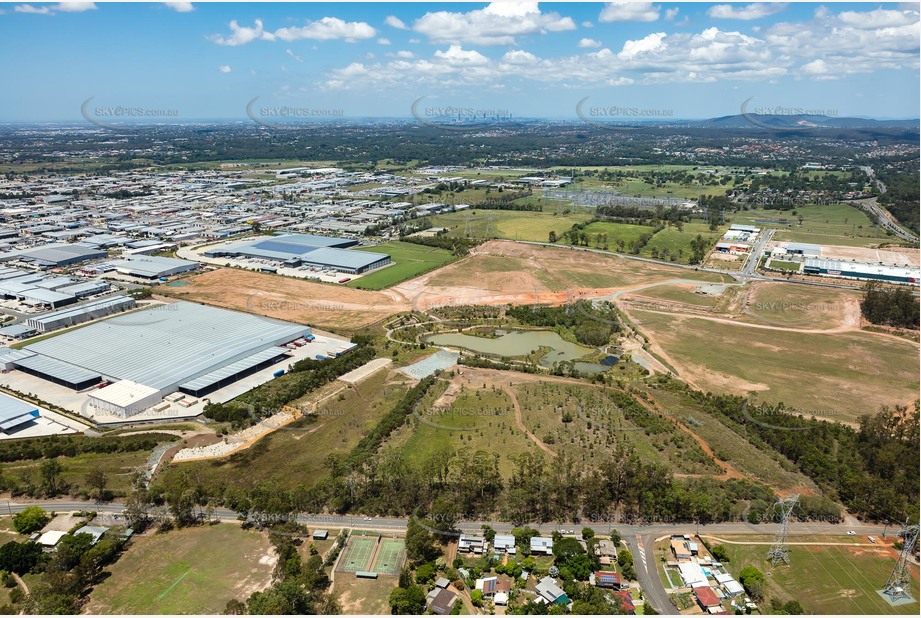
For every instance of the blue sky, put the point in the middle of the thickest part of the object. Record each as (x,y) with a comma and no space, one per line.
(689,60)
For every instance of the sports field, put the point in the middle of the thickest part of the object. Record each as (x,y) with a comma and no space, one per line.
(389,557)
(358,553)
(409,260)
(827,579)
(188,571)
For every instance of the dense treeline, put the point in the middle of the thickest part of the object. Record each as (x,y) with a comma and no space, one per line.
(890,306)
(901,196)
(589,324)
(305,376)
(458,246)
(873,470)
(71,446)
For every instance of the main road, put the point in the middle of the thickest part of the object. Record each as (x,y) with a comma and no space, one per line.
(639,537)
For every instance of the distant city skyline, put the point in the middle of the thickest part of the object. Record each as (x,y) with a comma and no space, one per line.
(624,61)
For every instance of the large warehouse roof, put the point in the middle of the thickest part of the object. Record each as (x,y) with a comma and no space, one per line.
(152,266)
(166,346)
(55,253)
(14,412)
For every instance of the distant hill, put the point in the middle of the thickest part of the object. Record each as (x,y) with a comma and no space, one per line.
(792,122)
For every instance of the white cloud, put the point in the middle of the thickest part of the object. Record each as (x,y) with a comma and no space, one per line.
(383,41)
(879,18)
(328,29)
(51,9)
(294,56)
(241,35)
(224,68)
(180,7)
(395,22)
(756,10)
(588,24)
(403,54)
(671,14)
(629,11)
(589,43)
(497,24)
(828,46)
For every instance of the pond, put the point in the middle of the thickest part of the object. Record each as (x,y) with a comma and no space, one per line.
(511,343)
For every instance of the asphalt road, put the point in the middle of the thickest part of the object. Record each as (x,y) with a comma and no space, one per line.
(639,537)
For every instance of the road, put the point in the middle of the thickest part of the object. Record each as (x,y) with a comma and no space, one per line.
(883,217)
(639,537)
(754,256)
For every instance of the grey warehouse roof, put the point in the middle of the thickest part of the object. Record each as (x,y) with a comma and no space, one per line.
(167,345)
(15,412)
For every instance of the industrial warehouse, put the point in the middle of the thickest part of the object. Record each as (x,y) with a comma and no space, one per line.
(137,359)
(860,270)
(296,250)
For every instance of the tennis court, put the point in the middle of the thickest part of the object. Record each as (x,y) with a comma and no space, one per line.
(390,557)
(358,553)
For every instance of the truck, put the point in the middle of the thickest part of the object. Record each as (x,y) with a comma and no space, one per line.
(345,279)
(309,338)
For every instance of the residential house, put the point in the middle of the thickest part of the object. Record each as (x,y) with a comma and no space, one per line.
(541,545)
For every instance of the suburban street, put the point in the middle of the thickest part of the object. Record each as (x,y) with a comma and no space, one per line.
(640,538)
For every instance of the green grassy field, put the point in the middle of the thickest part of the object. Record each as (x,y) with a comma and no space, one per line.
(678,242)
(833,224)
(680,294)
(295,455)
(782,265)
(120,468)
(188,571)
(508,224)
(826,579)
(839,369)
(409,260)
(478,419)
(625,232)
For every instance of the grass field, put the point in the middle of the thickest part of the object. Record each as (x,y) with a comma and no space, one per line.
(389,558)
(679,294)
(188,571)
(840,369)
(782,265)
(508,224)
(833,224)
(295,455)
(678,242)
(120,468)
(364,596)
(358,554)
(799,306)
(409,260)
(616,231)
(827,579)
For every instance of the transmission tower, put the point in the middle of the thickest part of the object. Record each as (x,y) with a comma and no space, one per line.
(897,587)
(779,550)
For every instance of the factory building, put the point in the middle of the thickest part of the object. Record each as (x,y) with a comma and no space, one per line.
(861,270)
(54,255)
(83,313)
(294,250)
(15,413)
(148,354)
(152,267)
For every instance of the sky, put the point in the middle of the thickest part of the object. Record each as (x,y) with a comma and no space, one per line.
(190,61)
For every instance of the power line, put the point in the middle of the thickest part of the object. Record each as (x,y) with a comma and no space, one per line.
(780,551)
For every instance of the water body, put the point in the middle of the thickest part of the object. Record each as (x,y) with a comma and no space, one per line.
(519,343)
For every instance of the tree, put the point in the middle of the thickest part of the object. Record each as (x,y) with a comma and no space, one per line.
(20,558)
(751,577)
(407,601)
(420,543)
(476,597)
(30,519)
(551,237)
(97,479)
(588,533)
(624,557)
(720,553)
(50,471)
(425,573)
(615,537)
(137,509)
(235,607)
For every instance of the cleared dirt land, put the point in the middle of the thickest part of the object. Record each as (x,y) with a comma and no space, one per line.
(188,571)
(496,273)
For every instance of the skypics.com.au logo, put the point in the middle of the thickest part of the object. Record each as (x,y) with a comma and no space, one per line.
(619,117)
(457,116)
(784,117)
(125,117)
(290,117)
